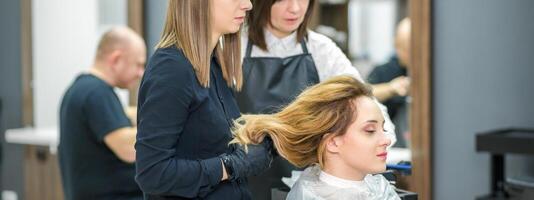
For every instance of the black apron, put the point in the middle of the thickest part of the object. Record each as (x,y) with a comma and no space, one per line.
(269,83)
(272,82)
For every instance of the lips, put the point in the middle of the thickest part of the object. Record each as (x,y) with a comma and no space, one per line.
(291,20)
(240,19)
(383,155)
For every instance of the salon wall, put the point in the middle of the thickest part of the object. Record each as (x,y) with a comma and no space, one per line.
(482,79)
(65,36)
(64,41)
(154,20)
(11,95)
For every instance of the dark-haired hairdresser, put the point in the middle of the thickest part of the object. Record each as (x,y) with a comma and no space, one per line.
(281,58)
(186,107)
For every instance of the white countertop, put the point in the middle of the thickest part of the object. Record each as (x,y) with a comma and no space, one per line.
(395,155)
(34,136)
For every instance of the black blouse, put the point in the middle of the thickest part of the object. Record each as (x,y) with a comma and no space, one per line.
(182,128)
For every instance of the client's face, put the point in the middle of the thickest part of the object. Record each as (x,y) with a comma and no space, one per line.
(363,147)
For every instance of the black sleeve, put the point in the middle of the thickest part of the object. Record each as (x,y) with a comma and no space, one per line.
(104,112)
(165,96)
(376,76)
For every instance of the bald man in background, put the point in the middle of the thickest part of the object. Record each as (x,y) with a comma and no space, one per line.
(96,150)
(391,84)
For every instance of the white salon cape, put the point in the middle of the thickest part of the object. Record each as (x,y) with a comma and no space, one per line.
(329,60)
(314,184)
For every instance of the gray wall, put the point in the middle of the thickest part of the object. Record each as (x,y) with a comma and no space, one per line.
(154,19)
(483,79)
(11,94)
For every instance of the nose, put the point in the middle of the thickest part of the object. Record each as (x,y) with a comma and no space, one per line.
(385,141)
(294,6)
(246,5)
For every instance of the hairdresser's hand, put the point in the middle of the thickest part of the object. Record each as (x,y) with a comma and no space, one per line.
(241,164)
(400,85)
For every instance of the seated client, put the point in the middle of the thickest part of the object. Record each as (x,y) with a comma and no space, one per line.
(335,129)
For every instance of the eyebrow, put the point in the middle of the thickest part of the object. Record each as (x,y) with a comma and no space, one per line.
(374,121)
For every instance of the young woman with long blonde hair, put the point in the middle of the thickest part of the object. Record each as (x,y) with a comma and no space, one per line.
(186,107)
(334,128)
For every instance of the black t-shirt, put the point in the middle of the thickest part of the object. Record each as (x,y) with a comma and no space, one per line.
(385,73)
(90,170)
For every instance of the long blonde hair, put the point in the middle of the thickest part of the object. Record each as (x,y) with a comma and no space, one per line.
(187,26)
(298,130)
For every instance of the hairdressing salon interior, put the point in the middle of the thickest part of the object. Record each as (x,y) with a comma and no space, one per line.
(465,125)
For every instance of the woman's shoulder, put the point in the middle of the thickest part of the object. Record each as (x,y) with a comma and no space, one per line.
(169,59)
(169,54)
(169,64)
(317,39)
(307,178)
(307,186)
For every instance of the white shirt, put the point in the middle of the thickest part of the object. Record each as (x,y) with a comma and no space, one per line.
(328,57)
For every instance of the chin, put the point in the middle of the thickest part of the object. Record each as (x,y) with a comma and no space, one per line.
(294,27)
(381,169)
(290,29)
(378,169)
(232,30)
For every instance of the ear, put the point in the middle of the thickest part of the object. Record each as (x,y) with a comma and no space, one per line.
(114,57)
(333,142)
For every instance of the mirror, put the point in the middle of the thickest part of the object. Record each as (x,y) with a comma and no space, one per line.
(372,36)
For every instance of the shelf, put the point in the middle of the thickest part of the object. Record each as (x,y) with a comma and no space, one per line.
(517,141)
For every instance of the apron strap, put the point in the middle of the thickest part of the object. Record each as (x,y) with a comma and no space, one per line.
(303,45)
(249,49)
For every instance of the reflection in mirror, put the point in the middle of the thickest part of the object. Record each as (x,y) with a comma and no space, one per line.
(391,83)
(375,35)
(380,48)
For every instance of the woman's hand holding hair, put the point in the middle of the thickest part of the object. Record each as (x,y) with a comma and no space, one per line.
(248,160)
